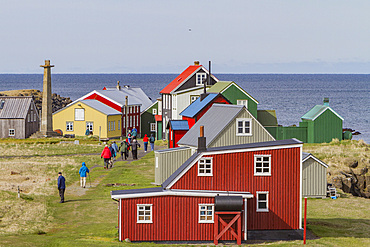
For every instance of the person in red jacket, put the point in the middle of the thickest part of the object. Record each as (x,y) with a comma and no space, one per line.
(145,140)
(106,154)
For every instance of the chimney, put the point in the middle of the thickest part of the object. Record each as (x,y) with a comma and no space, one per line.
(326,101)
(204,94)
(201,141)
(118,86)
(196,62)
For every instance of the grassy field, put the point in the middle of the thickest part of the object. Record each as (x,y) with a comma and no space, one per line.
(89,216)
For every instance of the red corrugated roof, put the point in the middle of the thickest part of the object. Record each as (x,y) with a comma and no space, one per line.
(158,118)
(180,78)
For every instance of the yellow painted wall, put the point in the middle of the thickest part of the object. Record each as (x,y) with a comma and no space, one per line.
(117,131)
(99,119)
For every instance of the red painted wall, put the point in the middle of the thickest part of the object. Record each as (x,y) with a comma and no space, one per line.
(191,121)
(176,136)
(175,218)
(235,172)
(219,100)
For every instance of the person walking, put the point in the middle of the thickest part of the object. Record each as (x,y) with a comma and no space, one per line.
(152,140)
(134,145)
(129,136)
(125,148)
(115,147)
(134,133)
(106,154)
(83,171)
(61,186)
(111,149)
(145,140)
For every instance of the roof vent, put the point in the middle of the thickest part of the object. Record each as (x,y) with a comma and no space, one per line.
(326,101)
(118,86)
(126,86)
(196,62)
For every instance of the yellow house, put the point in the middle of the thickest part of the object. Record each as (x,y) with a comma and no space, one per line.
(77,117)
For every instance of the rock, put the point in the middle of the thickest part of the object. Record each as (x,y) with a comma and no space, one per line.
(364,170)
(127,240)
(354,164)
(361,184)
(14,173)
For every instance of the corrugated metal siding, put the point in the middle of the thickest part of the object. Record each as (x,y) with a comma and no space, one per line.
(313,179)
(327,126)
(228,136)
(168,162)
(235,172)
(175,218)
(17,124)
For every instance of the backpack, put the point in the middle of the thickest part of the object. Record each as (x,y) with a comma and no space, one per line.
(151,139)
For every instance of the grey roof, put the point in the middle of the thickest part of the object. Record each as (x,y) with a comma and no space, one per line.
(308,155)
(171,149)
(305,155)
(15,106)
(99,106)
(214,121)
(292,141)
(136,96)
(136,191)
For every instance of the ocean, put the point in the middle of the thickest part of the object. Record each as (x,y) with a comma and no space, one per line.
(291,95)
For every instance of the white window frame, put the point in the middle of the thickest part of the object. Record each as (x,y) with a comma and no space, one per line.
(11,132)
(69,126)
(90,125)
(258,209)
(79,114)
(140,208)
(153,127)
(154,111)
(242,102)
(262,173)
(203,161)
(199,78)
(243,120)
(203,207)
(193,98)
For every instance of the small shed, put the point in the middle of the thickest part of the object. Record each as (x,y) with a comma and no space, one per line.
(148,123)
(176,130)
(314,181)
(19,117)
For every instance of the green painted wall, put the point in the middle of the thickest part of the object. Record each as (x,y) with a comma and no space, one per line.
(282,133)
(159,130)
(326,127)
(147,118)
(233,94)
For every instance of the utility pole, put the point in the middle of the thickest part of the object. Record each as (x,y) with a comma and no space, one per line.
(126,103)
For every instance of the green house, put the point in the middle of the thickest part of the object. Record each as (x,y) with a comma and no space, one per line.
(322,123)
(148,122)
(236,95)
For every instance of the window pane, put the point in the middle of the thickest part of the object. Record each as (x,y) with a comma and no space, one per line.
(266,158)
(147,207)
(246,123)
(240,124)
(209,207)
(262,197)
(262,205)
(141,217)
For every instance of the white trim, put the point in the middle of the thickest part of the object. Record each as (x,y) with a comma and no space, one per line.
(156,101)
(206,210)
(13,130)
(227,152)
(201,74)
(243,120)
(245,219)
(205,174)
(300,189)
(267,201)
(151,213)
(327,107)
(119,220)
(241,89)
(316,159)
(255,161)
(195,193)
(87,95)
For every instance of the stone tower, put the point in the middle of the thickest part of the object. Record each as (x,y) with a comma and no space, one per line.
(46,128)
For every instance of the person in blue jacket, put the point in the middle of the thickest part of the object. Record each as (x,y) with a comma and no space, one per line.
(61,186)
(83,174)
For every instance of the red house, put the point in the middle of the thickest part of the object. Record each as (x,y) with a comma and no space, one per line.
(199,107)
(264,177)
(176,130)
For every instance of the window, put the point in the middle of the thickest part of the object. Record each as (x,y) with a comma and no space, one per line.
(193,98)
(114,125)
(119,124)
(11,132)
(31,117)
(243,126)
(206,213)
(262,165)
(205,167)
(90,126)
(79,114)
(2,102)
(144,213)
(174,102)
(34,117)
(262,201)
(69,126)
(200,78)
(242,102)
(153,127)
(154,111)
(28,117)
(133,124)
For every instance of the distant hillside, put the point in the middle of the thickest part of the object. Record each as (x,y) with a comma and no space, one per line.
(58,102)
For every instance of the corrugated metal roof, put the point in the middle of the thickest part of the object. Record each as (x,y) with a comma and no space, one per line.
(184,166)
(220,86)
(180,78)
(136,191)
(306,156)
(179,124)
(267,117)
(316,111)
(214,121)
(171,149)
(194,108)
(101,107)
(15,106)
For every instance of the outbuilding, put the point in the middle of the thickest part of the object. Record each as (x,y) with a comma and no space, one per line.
(314,181)
(176,130)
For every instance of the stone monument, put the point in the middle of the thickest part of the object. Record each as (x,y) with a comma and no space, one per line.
(46,128)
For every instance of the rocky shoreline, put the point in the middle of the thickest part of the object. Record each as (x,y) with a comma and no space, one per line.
(58,102)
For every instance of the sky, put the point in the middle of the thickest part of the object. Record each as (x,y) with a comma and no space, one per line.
(165,36)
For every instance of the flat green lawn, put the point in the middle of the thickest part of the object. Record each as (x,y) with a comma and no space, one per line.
(90,219)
